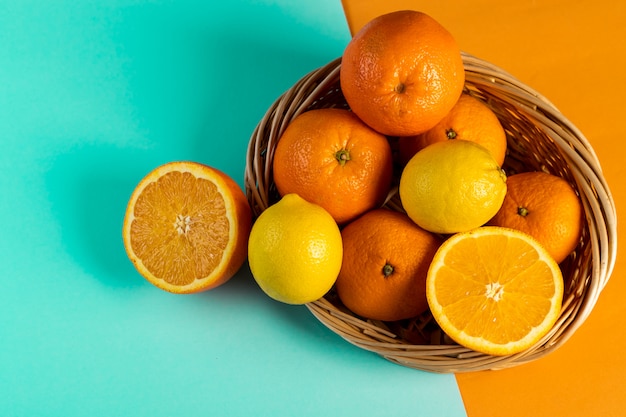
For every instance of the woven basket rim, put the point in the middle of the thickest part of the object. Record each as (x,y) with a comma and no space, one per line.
(589,269)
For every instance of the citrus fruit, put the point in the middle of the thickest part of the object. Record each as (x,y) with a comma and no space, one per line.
(452,186)
(546,207)
(402,72)
(186,227)
(331,158)
(385,261)
(494,290)
(295,250)
(470,119)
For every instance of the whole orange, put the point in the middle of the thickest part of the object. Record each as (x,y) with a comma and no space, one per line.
(385,263)
(470,119)
(402,73)
(544,206)
(331,158)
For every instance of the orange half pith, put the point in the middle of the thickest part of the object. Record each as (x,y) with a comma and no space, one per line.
(494,290)
(186,226)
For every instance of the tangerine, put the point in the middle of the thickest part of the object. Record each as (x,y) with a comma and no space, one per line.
(385,261)
(470,119)
(402,73)
(331,158)
(546,207)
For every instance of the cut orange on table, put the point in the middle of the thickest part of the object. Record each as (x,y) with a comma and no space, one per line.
(186,227)
(494,290)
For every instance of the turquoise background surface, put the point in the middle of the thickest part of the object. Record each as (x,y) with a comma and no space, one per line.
(94,95)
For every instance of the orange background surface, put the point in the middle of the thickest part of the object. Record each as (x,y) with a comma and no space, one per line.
(574,53)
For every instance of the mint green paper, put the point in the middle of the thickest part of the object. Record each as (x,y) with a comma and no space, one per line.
(93,95)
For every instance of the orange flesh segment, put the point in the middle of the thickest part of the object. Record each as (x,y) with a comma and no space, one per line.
(180,228)
(496,290)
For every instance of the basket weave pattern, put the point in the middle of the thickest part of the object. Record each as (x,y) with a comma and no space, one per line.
(539,138)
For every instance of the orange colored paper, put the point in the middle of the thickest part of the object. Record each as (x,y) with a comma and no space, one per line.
(573,53)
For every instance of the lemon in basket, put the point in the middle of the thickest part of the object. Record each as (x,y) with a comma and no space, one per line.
(295,250)
(452,186)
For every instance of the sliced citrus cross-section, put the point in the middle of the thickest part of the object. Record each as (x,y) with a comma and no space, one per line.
(494,290)
(186,227)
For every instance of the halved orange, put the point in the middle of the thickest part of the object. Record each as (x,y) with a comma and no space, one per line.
(186,227)
(494,290)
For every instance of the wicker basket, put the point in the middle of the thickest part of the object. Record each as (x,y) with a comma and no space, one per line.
(539,138)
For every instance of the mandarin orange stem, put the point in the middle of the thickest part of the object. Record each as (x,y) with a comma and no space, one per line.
(342,156)
(387,270)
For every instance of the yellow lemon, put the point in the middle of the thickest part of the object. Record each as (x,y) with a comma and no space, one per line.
(452,186)
(295,251)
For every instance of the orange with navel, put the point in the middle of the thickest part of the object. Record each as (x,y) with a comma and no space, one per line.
(385,262)
(186,227)
(402,73)
(546,207)
(331,158)
(470,119)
